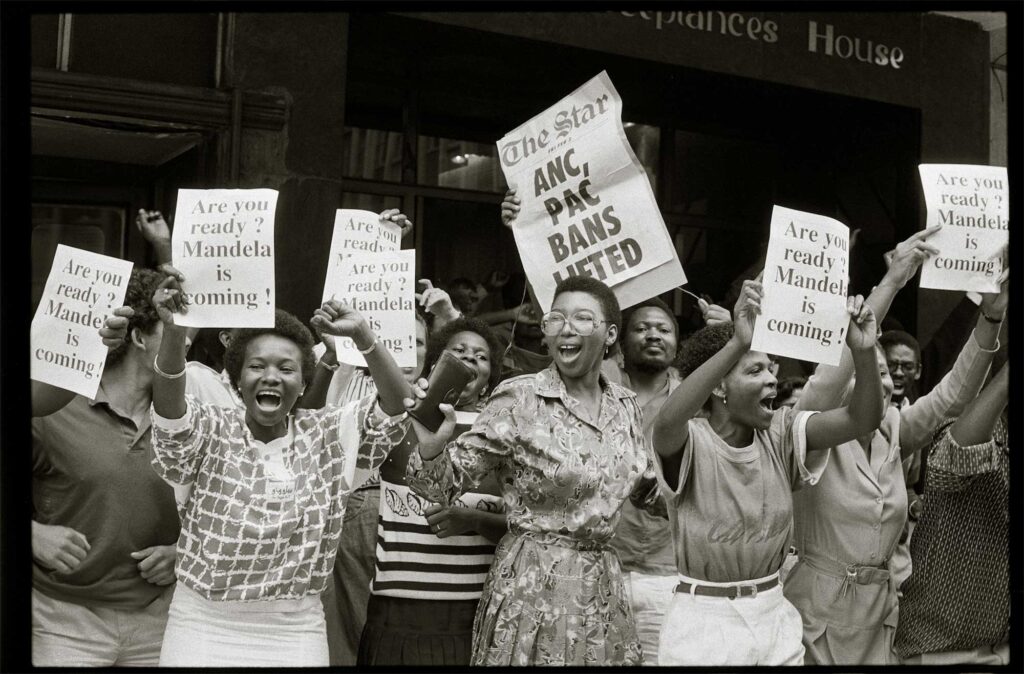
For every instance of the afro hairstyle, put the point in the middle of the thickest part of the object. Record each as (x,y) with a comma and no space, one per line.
(285,325)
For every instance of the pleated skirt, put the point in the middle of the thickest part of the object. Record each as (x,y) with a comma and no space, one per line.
(553,601)
(400,631)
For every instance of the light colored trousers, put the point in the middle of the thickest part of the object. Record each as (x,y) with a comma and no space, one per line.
(649,597)
(348,590)
(718,631)
(72,635)
(276,633)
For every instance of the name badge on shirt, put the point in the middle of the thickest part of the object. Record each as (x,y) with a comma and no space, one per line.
(280,490)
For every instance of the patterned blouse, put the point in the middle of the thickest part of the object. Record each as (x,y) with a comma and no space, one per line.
(560,472)
(958,597)
(263,519)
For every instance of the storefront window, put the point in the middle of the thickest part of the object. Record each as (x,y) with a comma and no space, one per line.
(372,154)
(369,202)
(645,141)
(445,162)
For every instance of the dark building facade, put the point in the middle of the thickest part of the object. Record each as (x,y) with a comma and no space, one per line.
(729,112)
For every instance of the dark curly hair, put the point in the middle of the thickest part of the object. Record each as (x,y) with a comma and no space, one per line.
(600,292)
(438,339)
(285,325)
(141,285)
(701,346)
(785,388)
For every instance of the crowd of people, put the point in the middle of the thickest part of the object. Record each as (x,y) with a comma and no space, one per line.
(605,491)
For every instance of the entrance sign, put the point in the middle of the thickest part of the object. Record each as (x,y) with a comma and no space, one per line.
(82,290)
(223,243)
(805,282)
(587,207)
(972,205)
(381,287)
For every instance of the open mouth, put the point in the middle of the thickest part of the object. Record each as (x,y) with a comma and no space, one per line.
(766,403)
(569,352)
(268,401)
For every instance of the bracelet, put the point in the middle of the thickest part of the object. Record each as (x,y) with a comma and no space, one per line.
(156,368)
(370,348)
(327,366)
(988,318)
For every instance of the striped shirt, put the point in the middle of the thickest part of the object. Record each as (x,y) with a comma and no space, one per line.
(263,519)
(412,562)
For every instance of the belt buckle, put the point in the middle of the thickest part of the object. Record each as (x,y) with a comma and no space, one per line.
(740,588)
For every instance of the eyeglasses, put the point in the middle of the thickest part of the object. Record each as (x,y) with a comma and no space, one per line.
(895,365)
(583,325)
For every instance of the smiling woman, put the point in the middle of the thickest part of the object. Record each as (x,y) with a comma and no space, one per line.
(728,479)
(262,490)
(567,447)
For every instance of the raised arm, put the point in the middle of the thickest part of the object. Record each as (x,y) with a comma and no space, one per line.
(963,382)
(315,396)
(438,302)
(169,382)
(671,426)
(827,386)
(337,318)
(863,413)
(975,425)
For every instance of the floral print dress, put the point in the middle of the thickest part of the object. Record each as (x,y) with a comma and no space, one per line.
(554,594)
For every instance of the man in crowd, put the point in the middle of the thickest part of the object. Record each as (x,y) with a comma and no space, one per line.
(104,524)
(650,340)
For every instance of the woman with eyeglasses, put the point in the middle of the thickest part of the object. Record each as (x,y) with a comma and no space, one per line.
(567,448)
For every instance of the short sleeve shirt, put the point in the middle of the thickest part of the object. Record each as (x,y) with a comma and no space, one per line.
(732,511)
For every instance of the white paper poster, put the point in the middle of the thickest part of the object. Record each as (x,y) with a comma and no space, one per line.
(586,207)
(358,231)
(82,290)
(381,287)
(972,203)
(223,243)
(806,280)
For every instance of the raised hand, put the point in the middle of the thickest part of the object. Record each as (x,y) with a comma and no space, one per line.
(714,314)
(863,331)
(59,548)
(115,328)
(168,300)
(509,208)
(431,442)
(904,260)
(748,306)
(153,226)
(994,304)
(436,301)
(498,279)
(337,318)
(395,216)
